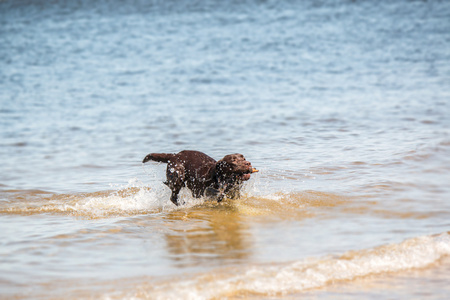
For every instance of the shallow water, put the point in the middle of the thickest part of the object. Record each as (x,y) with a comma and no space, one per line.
(342,106)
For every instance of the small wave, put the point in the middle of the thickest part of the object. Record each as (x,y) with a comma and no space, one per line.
(133,198)
(93,205)
(136,198)
(296,277)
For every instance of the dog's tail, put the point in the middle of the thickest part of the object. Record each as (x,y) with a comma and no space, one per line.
(159,157)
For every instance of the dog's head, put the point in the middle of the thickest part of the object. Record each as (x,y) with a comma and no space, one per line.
(234,166)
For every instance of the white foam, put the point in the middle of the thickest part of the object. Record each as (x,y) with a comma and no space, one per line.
(140,202)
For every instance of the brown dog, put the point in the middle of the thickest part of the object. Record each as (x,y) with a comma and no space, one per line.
(201,173)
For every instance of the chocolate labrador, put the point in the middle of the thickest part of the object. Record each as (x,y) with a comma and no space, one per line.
(203,175)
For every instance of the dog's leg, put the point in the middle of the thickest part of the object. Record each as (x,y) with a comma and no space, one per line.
(233,191)
(175,181)
(174,197)
(221,192)
(211,192)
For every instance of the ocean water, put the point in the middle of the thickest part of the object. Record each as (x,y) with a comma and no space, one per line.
(343,106)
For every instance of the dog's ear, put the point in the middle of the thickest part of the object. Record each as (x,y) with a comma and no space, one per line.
(223,168)
(221,165)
